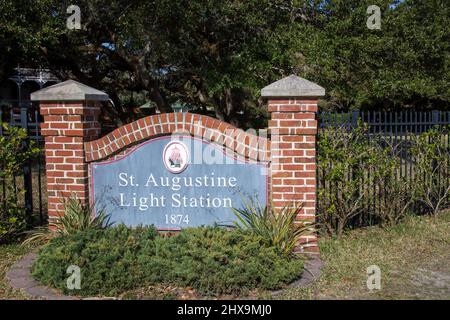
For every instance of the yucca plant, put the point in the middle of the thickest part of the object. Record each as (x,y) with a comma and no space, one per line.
(279,228)
(77,217)
(38,235)
(80,217)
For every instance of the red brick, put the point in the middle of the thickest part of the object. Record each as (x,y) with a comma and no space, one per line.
(288,123)
(305,131)
(280,115)
(293,153)
(304,115)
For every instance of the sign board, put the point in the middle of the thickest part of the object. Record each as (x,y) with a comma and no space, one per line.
(177,182)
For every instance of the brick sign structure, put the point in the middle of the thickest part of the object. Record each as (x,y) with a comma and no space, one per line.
(77,158)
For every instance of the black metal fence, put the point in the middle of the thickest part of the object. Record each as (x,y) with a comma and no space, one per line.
(392,123)
(32,178)
(395,131)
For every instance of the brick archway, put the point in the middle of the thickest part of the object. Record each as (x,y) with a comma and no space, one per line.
(210,129)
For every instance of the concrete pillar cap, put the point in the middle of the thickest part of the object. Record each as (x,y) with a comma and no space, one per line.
(293,86)
(69,90)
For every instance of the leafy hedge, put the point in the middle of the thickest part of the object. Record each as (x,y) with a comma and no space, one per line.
(211,260)
(14,152)
(361,181)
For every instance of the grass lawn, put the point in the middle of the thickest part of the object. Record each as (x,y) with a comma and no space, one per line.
(414,258)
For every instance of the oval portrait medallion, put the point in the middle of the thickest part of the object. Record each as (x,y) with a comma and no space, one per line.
(175,157)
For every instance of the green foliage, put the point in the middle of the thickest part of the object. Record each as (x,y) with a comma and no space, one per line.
(77,217)
(405,65)
(431,169)
(344,157)
(217,55)
(361,178)
(22,28)
(213,54)
(211,260)
(278,229)
(393,194)
(12,223)
(14,152)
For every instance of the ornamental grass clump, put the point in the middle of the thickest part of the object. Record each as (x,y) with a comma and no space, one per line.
(279,229)
(78,216)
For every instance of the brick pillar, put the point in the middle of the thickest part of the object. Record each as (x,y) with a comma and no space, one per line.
(70,111)
(292,104)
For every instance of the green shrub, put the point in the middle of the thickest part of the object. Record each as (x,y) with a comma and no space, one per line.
(362,179)
(12,221)
(394,191)
(278,229)
(359,181)
(344,158)
(14,152)
(210,260)
(432,169)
